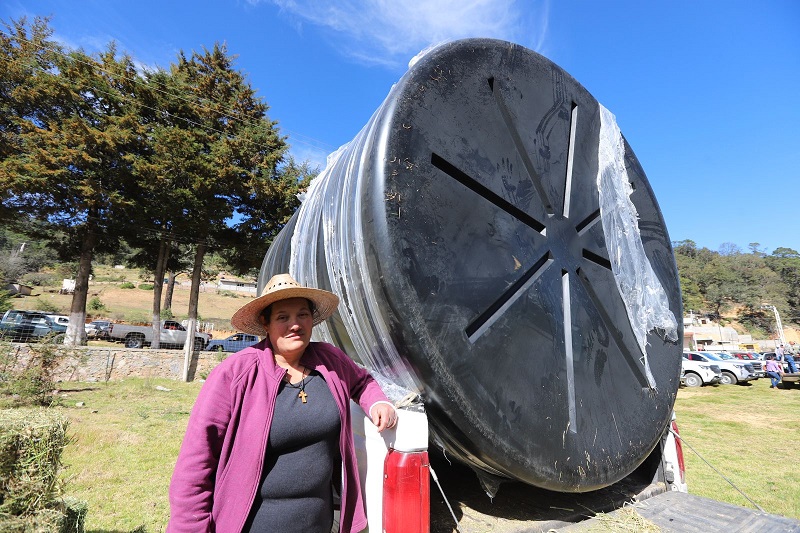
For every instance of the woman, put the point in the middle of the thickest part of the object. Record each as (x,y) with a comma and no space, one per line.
(270,430)
(774,370)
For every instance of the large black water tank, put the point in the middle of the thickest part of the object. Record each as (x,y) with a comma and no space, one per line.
(463,229)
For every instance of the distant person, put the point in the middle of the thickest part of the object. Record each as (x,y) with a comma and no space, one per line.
(779,352)
(788,356)
(269,440)
(774,370)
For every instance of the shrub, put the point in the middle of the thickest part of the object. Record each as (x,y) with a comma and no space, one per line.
(34,384)
(167,314)
(47,306)
(96,305)
(39,279)
(146,286)
(5,301)
(110,278)
(139,318)
(127,285)
(67,270)
(228,294)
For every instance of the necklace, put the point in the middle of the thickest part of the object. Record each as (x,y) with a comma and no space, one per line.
(302,385)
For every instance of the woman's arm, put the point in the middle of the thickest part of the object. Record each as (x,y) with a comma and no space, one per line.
(366,391)
(383,415)
(191,491)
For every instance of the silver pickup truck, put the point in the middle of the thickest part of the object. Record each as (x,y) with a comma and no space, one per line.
(172,334)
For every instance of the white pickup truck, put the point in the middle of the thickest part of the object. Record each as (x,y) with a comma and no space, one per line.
(172,334)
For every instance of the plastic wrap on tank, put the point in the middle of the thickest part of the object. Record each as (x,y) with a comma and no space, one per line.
(498,251)
(330,216)
(640,288)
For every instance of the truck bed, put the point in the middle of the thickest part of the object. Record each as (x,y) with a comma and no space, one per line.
(521,508)
(518,507)
(790,380)
(681,512)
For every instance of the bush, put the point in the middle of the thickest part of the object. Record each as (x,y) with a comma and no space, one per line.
(167,314)
(228,294)
(47,306)
(67,270)
(127,285)
(39,279)
(139,318)
(32,385)
(146,286)
(5,301)
(110,278)
(96,305)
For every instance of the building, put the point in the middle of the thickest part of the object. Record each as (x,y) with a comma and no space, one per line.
(18,289)
(238,285)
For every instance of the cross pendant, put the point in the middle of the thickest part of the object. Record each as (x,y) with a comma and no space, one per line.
(302,395)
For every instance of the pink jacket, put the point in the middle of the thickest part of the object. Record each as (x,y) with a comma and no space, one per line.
(219,466)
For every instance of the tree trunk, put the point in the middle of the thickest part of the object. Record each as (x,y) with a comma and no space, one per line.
(170,290)
(194,295)
(76,332)
(158,286)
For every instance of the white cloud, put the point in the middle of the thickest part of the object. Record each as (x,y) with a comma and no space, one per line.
(390,32)
(315,155)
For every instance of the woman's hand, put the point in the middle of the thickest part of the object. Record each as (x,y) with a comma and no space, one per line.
(383,416)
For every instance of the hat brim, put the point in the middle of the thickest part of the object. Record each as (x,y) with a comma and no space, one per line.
(246,318)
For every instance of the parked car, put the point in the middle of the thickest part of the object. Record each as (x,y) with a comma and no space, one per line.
(754,358)
(61,320)
(234,343)
(30,325)
(171,333)
(98,329)
(696,373)
(733,370)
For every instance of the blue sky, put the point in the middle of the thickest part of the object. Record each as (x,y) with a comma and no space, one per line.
(706,92)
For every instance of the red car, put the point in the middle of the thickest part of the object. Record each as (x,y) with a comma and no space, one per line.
(754,358)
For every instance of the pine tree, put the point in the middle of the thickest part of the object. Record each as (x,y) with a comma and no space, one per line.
(69,150)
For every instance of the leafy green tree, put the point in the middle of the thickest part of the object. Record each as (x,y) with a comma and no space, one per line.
(68,149)
(729,248)
(27,59)
(785,262)
(21,254)
(261,219)
(732,279)
(690,290)
(211,176)
(756,249)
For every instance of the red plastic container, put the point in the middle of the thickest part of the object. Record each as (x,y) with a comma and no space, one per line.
(406,492)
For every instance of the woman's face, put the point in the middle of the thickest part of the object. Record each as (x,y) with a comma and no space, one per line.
(289,326)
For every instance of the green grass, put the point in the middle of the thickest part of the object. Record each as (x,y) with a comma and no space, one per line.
(751,435)
(127,434)
(126,438)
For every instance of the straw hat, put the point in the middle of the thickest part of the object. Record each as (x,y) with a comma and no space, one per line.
(281,287)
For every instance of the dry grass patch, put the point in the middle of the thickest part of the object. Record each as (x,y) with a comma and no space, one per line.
(625,520)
